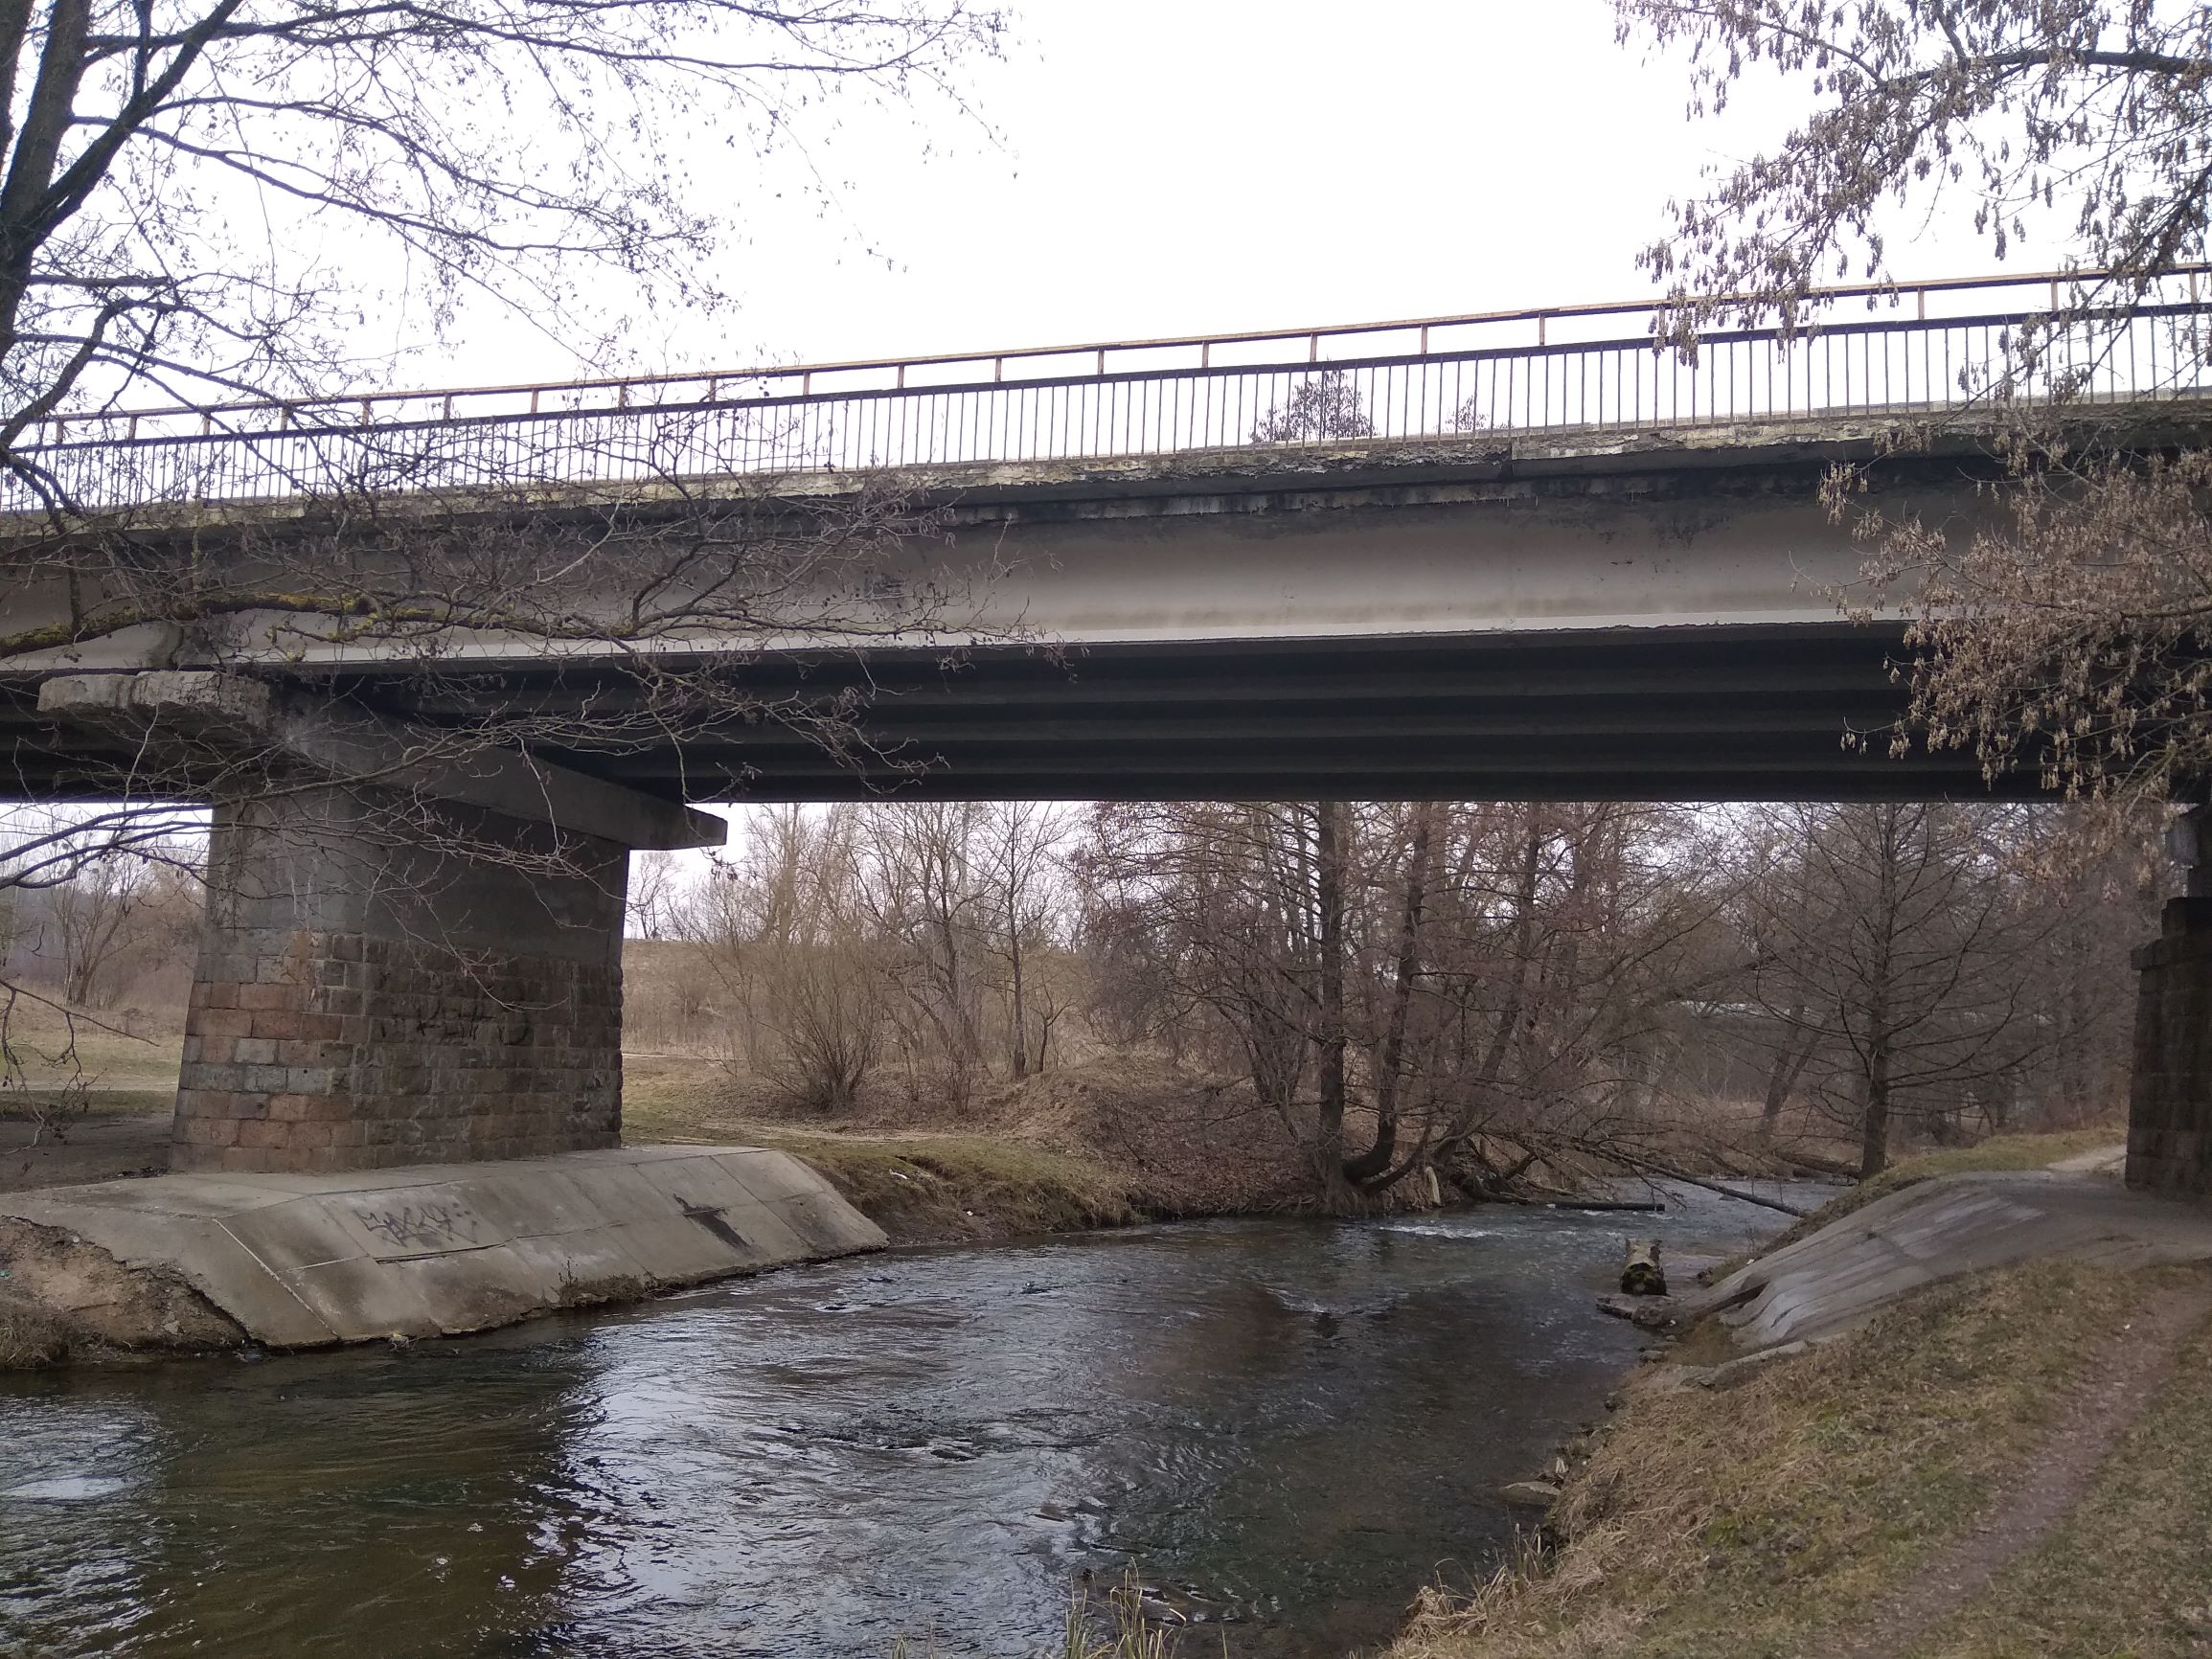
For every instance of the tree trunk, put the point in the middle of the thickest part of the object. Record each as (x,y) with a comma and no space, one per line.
(1020,1003)
(1874,1128)
(1331,1037)
(1509,1017)
(1373,1161)
(1789,1062)
(1874,1125)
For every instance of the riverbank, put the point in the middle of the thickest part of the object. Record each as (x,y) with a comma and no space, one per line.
(1074,1151)
(1093,1145)
(1997,1464)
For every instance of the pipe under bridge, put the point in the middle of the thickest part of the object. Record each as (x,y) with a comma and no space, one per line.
(1515,556)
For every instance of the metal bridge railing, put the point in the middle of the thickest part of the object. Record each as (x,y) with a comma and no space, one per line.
(1913,348)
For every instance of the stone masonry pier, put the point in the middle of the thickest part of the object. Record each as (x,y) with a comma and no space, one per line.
(363,1000)
(2170,1107)
(425,968)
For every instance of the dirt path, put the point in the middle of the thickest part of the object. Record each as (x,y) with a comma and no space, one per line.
(97,1148)
(2125,1378)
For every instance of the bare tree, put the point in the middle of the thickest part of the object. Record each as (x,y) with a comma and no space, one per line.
(654,894)
(1895,950)
(1411,985)
(2067,641)
(1320,406)
(517,153)
(90,916)
(928,902)
(2088,117)
(1020,859)
(495,149)
(782,929)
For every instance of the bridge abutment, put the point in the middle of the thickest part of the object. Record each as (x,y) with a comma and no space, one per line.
(2170,1102)
(379,986)
(2170,1097)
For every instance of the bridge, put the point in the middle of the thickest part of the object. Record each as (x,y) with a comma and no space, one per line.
(1516,556)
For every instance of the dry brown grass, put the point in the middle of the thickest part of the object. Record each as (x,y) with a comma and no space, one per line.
(1085,1145)
(919,1186)
(2131,1572)
(124,1065)
(1759,1520)
(933,1189)
(31,1335)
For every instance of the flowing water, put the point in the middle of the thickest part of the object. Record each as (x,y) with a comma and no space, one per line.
(1287,1426)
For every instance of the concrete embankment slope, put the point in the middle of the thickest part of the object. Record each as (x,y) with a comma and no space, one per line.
(303,1261)
(1835,1279)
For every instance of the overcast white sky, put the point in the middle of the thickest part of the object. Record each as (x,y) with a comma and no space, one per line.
(1196,166)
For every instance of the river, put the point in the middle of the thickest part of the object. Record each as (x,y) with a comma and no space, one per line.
(1289,1426)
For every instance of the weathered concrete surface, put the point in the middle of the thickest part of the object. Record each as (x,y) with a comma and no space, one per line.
(1615,614)
(302,1260)
(2170,1100)
(377,989)
(343,741)
(1838,1277)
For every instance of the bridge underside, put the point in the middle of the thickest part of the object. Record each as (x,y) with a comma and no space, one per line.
(1716,712)
(1719,713)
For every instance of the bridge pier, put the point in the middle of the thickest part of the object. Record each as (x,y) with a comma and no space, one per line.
(423,969)
(367,996)
(2170,1097)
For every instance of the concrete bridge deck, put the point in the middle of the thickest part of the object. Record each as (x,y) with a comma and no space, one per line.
(1581,613)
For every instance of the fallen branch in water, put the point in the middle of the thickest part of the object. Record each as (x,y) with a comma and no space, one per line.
(1726,1191)
(1610,1153)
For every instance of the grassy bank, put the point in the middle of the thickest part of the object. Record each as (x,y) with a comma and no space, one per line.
(920,1186)
(1083,1146)
(1766,1518)
(930,1189)
(31,1335)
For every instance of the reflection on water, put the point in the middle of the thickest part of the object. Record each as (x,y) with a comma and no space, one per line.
(1293,1424)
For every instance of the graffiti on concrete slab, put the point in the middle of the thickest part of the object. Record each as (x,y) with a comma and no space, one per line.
(422,1226)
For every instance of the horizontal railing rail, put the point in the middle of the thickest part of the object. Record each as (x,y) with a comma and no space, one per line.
(1409,380)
